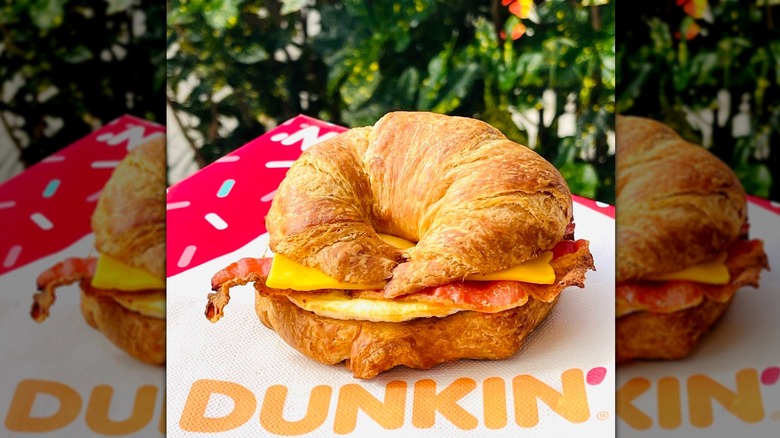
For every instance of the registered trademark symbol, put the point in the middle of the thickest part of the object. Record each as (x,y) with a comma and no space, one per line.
(603,415)
(775,415)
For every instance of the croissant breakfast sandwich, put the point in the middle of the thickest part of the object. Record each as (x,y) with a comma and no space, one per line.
(123,289)
(682,241)
(420,240)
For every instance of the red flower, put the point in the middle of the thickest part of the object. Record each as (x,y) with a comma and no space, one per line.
(695,9)
(521,9)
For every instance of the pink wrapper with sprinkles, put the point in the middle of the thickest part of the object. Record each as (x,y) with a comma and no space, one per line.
(223,206)
(49,205)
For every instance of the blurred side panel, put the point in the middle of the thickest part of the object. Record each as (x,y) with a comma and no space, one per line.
(82,169)
(68,67)
(698,184)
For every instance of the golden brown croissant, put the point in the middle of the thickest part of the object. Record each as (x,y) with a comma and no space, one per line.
(369,348)
(129,220)
(474,201)
(648,335)
(678,205)
(141,336)
(129,226)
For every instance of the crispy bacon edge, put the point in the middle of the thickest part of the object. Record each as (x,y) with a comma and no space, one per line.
(66,272)
(69,271)
(571,260)
(745,260)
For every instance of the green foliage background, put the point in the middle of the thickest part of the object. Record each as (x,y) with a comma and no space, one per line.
(93,55)
(258,63)
(737,49)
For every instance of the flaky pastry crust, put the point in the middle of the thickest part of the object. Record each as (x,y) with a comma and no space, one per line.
(369,348)
(474,201)
(129,220)
(652,335)
(678,205)
(142,337)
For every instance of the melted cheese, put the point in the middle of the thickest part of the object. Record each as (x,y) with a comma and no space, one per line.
(710,272)
(113,274)
(537,271)
(396,241)
(288,274)
(341,306)
(152,305)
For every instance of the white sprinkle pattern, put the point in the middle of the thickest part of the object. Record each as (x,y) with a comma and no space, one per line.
(186,256)
(42,221)
(12,256)
(177,205)
(104,164)
(283,164)
(216,221)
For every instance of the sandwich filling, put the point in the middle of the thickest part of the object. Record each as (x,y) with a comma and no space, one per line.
(717,279)
(288,274)
(542,278)
(132,288)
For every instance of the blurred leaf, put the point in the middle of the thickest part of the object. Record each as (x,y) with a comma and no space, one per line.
(369,58)
(361,81)
(338,69)
(703,66)
(78,54)
(250,54)
(290,6)
(437,76)
(47,14)
(222,14)
(402,42)
(9,13)
(663,75)
(581,177)
(529,66)
(634,89)
(361,75)
(53,46)
(756,178)
(115,6)
(408,84)
(457,87)
(446,85)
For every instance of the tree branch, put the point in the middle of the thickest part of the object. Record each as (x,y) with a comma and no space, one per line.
(10,133)
(595,17)
(190,142)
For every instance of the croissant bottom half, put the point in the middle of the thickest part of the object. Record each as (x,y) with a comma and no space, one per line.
(369,348)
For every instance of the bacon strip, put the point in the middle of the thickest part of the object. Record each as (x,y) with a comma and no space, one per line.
(745,260)
(66,272)
(246,270)
(69,271)
(495,296)
(571,261)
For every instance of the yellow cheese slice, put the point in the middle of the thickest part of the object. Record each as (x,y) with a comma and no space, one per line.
(288,274)
(712,271)
(537,271)
(340,306)
(113,274)
(152,305)
(396,241)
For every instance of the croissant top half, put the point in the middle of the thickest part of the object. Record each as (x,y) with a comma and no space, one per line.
(474,201)
(678,205)
(129,220)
